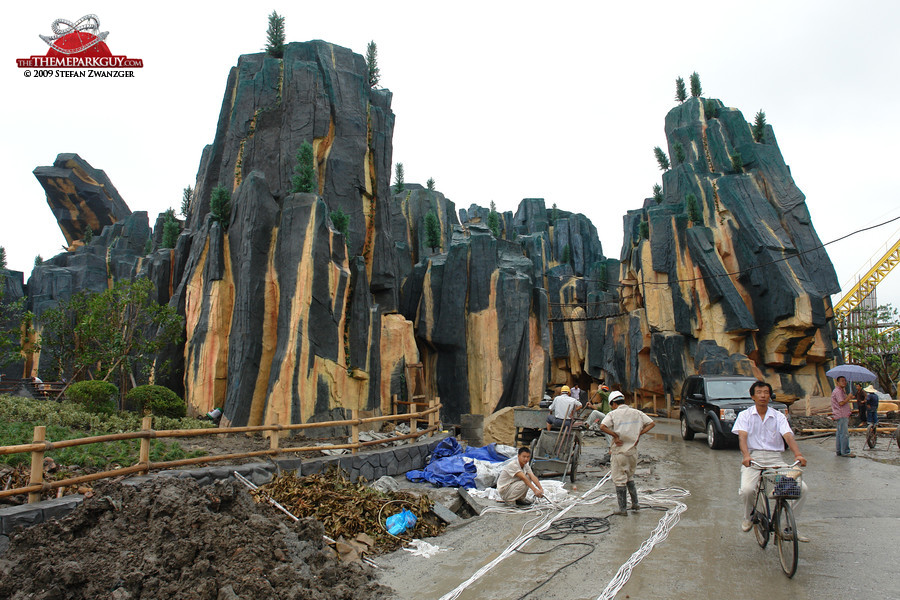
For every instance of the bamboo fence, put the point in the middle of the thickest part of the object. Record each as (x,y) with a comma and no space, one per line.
(40,445)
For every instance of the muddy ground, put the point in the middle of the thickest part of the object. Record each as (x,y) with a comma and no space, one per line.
(171,538)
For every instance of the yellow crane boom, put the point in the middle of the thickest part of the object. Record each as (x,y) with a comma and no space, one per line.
(867,283)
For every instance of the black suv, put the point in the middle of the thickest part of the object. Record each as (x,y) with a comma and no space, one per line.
(710,404)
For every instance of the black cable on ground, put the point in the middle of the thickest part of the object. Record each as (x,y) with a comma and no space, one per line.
(562,529)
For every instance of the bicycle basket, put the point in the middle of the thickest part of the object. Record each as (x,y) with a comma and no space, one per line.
(784,483)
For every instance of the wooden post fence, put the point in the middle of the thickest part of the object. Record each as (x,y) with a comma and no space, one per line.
(37,464)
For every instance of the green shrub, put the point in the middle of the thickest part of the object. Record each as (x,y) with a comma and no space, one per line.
(657,193)
(644,228)
(693,209)
(661,159)
(737,163)
(157,399)
(95,396)
(678,150)
(711,109)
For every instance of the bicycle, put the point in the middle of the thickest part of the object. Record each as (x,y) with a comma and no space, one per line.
(783,483)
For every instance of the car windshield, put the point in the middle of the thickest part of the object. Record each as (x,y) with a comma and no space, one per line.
(739,388)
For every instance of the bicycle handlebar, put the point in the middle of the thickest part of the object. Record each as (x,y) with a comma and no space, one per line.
(796,462)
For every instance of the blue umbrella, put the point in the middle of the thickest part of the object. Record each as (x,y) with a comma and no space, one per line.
(852,372)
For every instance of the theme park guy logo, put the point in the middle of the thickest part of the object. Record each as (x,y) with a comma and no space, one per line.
(78,45)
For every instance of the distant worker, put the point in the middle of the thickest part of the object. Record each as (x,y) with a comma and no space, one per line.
(840,412)
(626,425)
(872,405)
(860,405)
(599,405)
(575,392)
(516,478)
(562,409)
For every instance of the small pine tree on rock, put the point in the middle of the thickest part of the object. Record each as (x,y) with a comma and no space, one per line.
(148,246)
(2,258)
(186,196)
(644,229)
(737,163)
(399,185)
(275,36)
(680,91)
(661,159)
(38,260)
(171,229)
(554,214)
(372,64)
(679,152)
(88,236)
(494,221)
(759,127)
(657,193)
(304,179)
(696,89)
(567,255)
(220,206)
(693,209)
(432,231)
(710,109)
(430,183)
(341,221)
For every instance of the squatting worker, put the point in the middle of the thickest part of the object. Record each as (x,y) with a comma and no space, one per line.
(626,425)
(561,409)
(840,412)
(762,434)
(516,478)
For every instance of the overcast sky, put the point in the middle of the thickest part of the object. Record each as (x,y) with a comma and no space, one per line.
(495,100)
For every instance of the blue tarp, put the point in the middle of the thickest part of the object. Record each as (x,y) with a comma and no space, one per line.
(446,467)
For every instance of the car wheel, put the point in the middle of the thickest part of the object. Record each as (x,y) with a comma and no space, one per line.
(686,432)
(712,436)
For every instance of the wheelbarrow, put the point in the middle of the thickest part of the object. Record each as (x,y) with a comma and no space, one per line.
(556,452)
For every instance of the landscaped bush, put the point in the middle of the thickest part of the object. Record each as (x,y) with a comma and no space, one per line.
(95,396)
(159,400)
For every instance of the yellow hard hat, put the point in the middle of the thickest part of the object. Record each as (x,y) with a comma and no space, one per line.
(565,389)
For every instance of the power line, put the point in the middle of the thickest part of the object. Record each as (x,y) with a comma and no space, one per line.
(734,273)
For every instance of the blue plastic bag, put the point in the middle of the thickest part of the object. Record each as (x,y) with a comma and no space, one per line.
(403,520)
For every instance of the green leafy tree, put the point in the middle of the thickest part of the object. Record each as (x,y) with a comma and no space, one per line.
(432,231)
(693,209)
(657,193)
(493,222)
(304,179)
(871,339)
(661,159)
(737,163)
(275,36)
(113,335)
(372,64)
(679,152)
(696,89)
(88,236)
(680,91)
(186,197)
(399,185)
(759,127)
(38,260)
(644,228)
(430,183)
(171,230)
(341,221)
(220,206)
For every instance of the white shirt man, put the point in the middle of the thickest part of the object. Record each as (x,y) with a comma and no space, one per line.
(762,434)
(564,407)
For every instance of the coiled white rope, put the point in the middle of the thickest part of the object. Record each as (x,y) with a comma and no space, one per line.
(672,516)
(545,522)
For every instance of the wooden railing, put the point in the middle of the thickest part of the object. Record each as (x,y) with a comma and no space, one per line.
(40,445)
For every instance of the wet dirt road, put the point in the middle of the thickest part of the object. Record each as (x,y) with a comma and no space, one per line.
(851,516)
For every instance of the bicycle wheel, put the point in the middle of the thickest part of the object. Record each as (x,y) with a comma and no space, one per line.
(786,537)
(871,436)
(760,518)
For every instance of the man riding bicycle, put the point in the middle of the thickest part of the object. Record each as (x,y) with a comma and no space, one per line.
(762,434)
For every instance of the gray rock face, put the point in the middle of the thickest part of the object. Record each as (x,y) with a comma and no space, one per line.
(80,196)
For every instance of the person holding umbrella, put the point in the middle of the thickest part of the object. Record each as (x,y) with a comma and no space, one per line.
(840,412)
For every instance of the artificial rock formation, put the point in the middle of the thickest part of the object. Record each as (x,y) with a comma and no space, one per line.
(742,287)
(80,196)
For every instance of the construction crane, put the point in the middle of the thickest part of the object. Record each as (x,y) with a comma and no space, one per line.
(867,282)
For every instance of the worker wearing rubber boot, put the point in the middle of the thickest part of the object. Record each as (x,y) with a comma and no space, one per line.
(626,425)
